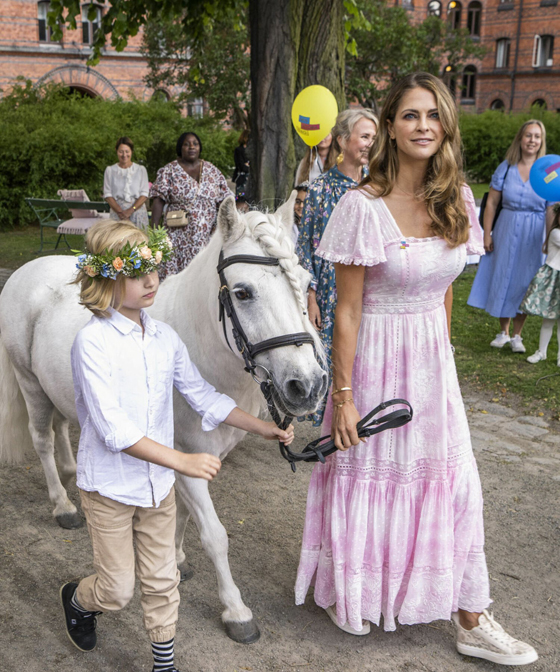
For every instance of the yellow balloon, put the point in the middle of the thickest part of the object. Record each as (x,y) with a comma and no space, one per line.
(313,114)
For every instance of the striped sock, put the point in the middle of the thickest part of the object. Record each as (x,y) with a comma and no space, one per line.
(163,656)
(77,606)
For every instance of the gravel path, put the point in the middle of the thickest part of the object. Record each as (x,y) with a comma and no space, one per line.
(261,503)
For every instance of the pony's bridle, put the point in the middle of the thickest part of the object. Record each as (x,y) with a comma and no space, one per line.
(316,450)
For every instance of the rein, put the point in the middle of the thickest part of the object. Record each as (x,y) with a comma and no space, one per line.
(320,448)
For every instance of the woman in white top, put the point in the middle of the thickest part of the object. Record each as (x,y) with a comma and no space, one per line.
(126,187)
(315,162)
(543,296)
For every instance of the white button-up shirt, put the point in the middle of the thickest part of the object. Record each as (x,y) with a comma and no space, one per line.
(123,382)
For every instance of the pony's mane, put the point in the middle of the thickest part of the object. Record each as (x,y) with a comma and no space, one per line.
(271,234)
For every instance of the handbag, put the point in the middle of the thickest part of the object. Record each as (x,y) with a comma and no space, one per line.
(498,207)
(176,218)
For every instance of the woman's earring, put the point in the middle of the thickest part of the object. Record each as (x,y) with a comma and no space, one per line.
(340,158)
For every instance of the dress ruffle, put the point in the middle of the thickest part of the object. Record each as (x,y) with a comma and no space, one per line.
(410,547)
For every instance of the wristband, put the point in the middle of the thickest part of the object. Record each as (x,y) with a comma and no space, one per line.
(341,389)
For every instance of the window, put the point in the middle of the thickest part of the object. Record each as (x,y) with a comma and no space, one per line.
(469,83)
(195,107)
(502,52)
(450,79)
(498,104)
(90,25)
(434,8)
(539,103)
(454,14)
(543,47)
(44,31)
(408,4)
(160,95)
(474,15)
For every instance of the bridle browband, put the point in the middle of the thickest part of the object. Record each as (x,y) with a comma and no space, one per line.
(316,450)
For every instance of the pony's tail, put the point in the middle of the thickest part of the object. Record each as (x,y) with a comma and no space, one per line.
(15,439)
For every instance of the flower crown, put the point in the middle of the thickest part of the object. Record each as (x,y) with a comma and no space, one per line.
(132,261)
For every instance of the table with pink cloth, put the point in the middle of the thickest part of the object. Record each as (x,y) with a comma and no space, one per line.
(394,526)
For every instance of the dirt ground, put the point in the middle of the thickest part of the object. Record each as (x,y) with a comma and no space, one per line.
(262,503)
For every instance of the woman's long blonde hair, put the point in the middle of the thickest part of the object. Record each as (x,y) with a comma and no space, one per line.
(444,177)
(98,294)
(513,154)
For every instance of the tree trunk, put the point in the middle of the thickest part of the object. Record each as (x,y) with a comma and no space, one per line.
(294,43)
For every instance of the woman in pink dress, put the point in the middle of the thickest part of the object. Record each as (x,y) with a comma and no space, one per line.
(394,524)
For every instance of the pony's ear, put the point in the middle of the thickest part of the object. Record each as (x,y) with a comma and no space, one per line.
(286,211)
(229,221)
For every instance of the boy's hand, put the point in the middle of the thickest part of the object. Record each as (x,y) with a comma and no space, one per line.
(272,432)
(199,465)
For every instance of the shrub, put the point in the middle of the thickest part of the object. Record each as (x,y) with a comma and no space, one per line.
(487,136)
(55,140)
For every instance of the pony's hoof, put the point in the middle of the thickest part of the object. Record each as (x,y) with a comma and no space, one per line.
(244,633)
(186,572)
(69,521)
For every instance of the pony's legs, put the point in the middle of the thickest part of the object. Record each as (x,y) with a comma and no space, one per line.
(237,617)
(183,517)
(41,412)
(66,460)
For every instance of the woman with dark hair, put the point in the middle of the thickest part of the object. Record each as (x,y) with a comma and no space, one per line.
(126,187)
(190,190)
(241,172)
(394,524)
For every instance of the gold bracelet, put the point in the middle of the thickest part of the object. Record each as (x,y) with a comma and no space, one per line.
(341,389)
(343,402)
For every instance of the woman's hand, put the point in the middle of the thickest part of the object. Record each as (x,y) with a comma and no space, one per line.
(272,432)
(126,214)
(488,242)
(314,310)
(343,429)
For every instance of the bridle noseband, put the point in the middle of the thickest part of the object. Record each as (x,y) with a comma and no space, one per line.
(316,450)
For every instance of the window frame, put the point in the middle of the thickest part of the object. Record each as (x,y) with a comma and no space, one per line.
(433,4)
(542,58)
(90,28)
(468,83)
(474,17)
(455,14)
(43,6)
(506,41)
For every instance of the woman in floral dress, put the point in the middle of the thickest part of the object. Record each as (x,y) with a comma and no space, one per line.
(353,135)
(394,524)
(193,186)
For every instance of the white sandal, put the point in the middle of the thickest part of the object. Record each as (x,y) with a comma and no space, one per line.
(331,611)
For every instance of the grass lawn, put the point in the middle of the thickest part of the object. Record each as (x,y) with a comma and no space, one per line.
(479,189)
(504,375)
(501,372)
(18,247)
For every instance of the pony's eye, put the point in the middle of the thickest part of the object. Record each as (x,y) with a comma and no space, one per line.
(242,294)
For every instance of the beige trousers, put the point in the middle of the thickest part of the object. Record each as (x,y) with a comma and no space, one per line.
(117,531)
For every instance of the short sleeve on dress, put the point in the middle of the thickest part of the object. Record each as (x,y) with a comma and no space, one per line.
(353,233)
(475,243)
(497,181)
(163,185)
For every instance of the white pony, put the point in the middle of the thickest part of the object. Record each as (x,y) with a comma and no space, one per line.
(40,316)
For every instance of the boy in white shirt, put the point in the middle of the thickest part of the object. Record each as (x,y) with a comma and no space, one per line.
(125,366)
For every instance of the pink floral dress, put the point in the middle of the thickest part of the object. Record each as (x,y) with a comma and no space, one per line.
(200,200)
(394,526)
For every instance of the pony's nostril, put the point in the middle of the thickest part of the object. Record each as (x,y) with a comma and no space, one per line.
(297,389)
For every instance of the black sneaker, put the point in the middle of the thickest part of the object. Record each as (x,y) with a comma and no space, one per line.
(172,670)
(80,627)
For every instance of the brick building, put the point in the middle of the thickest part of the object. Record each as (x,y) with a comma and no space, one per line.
(27,50)
(522,63)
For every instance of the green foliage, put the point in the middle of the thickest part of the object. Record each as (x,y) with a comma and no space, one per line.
(389,46)
(215,68)
(53,140)
(487,136)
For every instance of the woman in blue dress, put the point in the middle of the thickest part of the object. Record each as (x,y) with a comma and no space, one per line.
(353,135)
(514,247)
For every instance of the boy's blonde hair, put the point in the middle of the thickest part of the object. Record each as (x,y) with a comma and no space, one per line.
(98,294)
